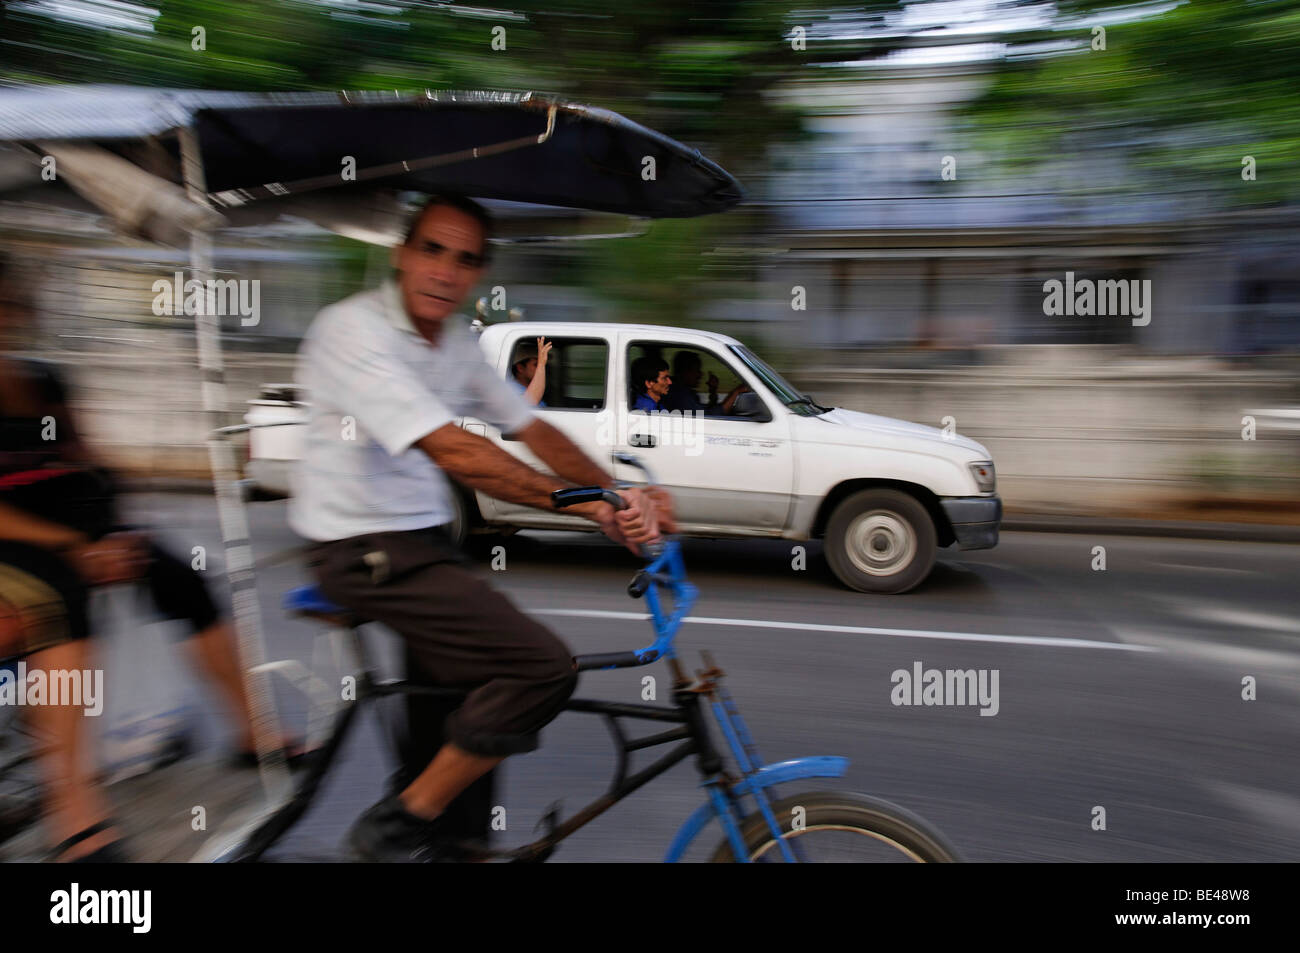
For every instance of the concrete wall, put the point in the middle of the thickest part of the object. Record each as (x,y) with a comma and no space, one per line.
(1072,429)
(145,414)
(1072,432)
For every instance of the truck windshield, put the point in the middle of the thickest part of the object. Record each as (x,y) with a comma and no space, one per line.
(786,392)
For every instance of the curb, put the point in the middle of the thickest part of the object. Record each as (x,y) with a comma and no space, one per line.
(1175,529)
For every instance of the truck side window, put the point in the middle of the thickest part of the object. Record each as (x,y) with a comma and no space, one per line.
(576,371)
(690,369)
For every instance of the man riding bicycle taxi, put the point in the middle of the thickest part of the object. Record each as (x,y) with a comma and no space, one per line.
(390,370)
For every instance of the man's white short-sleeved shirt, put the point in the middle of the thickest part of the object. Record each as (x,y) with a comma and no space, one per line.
(376,386)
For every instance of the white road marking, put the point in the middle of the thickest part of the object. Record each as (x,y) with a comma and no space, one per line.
(1239,659)
(1273,809)
(1230,616)
(861,630)
(1246,618)
(1227,569)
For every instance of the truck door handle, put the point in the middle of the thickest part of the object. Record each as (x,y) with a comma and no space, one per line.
(641,440)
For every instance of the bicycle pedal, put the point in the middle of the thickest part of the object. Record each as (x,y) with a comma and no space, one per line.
(547,824)
(551,819)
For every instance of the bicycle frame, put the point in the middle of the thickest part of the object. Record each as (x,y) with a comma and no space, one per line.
(725,792)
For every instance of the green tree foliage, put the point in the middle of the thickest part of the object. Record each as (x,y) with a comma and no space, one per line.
(1180,95)
(699,73)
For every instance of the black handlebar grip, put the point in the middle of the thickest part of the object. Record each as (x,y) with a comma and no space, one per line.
(609,660)
(586,494)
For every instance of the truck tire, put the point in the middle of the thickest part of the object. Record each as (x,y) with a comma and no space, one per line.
(880,541)
(464,512)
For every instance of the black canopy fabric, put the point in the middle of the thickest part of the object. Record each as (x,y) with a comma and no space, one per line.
(260,148)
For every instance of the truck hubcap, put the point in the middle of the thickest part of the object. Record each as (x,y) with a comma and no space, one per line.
(879,543)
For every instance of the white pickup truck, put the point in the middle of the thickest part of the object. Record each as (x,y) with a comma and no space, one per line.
(884,494)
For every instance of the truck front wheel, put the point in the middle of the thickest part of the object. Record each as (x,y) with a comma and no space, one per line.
(880,541)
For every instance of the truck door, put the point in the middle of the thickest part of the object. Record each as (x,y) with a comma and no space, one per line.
(730,470)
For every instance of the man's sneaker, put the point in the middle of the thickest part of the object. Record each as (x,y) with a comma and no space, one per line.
(388,834)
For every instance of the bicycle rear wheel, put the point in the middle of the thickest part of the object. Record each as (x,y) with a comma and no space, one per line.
(841,827)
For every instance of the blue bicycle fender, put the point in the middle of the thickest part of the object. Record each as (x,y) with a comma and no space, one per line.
(817,766)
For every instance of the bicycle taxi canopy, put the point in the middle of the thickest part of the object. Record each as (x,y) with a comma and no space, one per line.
(137,155)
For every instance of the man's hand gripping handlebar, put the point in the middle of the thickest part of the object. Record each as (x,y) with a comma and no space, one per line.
(636,516)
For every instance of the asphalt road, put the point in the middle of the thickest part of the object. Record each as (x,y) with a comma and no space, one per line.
(1120,689)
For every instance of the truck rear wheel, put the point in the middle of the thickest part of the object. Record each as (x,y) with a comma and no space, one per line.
(464,515)
(880,541)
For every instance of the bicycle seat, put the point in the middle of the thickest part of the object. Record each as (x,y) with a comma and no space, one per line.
(309,602)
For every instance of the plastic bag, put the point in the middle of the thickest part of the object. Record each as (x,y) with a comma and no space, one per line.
(147,720)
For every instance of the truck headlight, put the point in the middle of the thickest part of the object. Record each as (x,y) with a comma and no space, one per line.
(985,477)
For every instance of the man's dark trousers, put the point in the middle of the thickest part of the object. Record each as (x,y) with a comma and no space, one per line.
(458,632)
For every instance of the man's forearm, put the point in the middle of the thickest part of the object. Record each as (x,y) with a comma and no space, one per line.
(481,465)
(562,455)
(537,386)
(21,526)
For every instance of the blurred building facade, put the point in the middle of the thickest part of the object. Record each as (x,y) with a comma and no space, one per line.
(905,235)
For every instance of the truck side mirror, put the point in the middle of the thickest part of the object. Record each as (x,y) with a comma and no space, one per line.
(749,405)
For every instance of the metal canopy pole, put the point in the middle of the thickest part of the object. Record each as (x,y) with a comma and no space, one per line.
(272,765)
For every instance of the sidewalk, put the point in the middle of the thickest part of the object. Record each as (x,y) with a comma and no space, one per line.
(1173,529)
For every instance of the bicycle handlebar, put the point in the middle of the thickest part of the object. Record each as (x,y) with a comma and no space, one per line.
(573,496)
(586,663)
(586,494)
